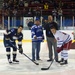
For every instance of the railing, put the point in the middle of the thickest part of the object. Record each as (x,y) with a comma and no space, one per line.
(8,21)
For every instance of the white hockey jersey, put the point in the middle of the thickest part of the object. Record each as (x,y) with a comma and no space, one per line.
(62,38)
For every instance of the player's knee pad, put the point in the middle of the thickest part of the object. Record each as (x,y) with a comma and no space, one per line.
(7,49)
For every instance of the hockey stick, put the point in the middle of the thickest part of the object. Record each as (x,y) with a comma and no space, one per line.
(49,65)
(30,59)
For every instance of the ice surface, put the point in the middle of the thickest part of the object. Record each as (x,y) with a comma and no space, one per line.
(26,67)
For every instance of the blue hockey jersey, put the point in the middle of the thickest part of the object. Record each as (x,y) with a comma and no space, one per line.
(37,31)
(13,35)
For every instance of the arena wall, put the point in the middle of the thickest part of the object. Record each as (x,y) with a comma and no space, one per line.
(27,36)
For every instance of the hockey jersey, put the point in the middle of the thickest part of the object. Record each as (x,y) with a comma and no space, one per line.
(38,32)
(62,38)
(13,35)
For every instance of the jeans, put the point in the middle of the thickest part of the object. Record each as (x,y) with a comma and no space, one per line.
(35,50)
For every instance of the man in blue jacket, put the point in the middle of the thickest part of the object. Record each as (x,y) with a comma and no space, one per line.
(37,38)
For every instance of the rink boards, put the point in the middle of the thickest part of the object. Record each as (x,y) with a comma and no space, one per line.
(27,36)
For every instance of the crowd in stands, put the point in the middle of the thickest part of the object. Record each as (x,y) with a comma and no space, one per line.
(31,8)
(36,7)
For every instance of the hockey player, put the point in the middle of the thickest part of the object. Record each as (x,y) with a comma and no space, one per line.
(37,38)
(10,37)
(63,44)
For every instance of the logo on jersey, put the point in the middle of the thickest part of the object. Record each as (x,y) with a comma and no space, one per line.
(58,38)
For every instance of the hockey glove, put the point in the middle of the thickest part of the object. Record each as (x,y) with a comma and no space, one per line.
(20,50)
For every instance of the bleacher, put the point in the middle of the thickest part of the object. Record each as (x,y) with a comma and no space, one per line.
(37,9)
(67,6)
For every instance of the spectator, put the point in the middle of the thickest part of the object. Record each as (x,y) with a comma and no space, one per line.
(25,3)
(54,12)
(46,6)
(15,12)
(6,13)
(38,12)
(24,12)
(21,3)
(37,1)
(5,5)
(30,12)
(72,6)
(10,5)
(60,12)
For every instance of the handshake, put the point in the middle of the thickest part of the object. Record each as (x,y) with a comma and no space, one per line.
(20,50)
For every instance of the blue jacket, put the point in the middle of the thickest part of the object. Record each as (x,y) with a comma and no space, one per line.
(38,32)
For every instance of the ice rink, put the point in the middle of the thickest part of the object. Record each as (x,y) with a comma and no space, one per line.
(26,67)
